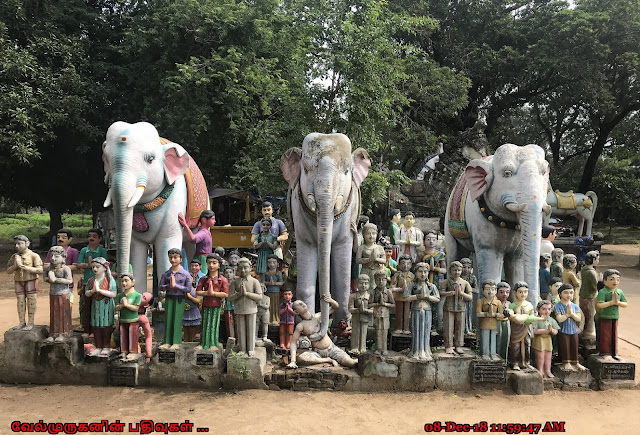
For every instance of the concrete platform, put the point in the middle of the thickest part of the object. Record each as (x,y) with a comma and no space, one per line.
(525,382)
(184,367)
(612,374)
(244,371)
(572,379)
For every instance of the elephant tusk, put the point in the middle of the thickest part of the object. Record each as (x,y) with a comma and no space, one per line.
(515,207)
(107,201)
(339,201)
(136,196)
(312,202)
(546,208)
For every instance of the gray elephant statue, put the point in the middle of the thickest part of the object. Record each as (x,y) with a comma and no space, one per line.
(150,181)
(324,204)
(495,210)
(581,205)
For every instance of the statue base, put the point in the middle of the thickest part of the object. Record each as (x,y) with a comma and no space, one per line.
(185,366)
(244,371)
(489,373)
(614,374)
(578,379)
(525,381)
(587,346)
(453,371)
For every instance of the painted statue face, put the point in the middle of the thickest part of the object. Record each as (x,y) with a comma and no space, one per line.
(404,265)
(266,227)
(272,263)
(521,294)
(567,295)
(363,283)
(612,281)
(208,223)
(421,273)
(545,310)
(287,296)
(455,272)
(229,274)
(21,246)
(596,261)
(396,218)
(93,239)
(554,287)
(489,291)
(381,280)
(57,259)
(466,269)
(175,260)
(552,236)
(233,260)
(503,293)
(370,235)
(267,211)
(63,240)
(409,221)
(194,268)
(243,269)
(430,241)
(126,282)
(98,269)
(213,265)
(387,253)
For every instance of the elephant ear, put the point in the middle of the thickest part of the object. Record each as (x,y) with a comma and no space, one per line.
(290,165)
(176,161)
(361,165)
(479,176)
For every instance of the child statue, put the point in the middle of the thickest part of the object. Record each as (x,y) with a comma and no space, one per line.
(59,276)
(277,228)
(554,285)
(503,335)
(175,283)
(201,237)
(382,302)
(287,317)
(555,269)
(102,289)
(422,295)
(470,319)
(394,228)
(25,265)
(93,250)
(589,293)
(569,263)
(234,258)
(273,280)
(456,292)
(610,299)
(229,306)
(129,301)
(437,268)
(143,320)
(262,319)
(370,255)
(409,237)
(399,281)
(213,288)
(247,292)
(360,314)
(542,332)
(489,311)
(191,319)
(544,276)
(391,265)
(266,243)
(568,316)
(521,316)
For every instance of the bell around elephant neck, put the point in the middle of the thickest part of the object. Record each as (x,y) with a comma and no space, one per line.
(494,218)
(336,216)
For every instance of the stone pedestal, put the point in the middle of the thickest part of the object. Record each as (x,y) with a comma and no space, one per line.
(579,379)
(453,371)
(419,376)
(124,372)
(245,371)
(22,348)
(485,373)
(185,366)
(587,346)
(525,382)
(400,342)
(612,374)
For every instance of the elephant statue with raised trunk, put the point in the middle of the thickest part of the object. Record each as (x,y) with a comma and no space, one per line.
(151,180)
(495,210)
(581,205)
(324,204)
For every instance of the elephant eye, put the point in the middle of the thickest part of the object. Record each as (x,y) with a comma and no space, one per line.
(149,158)
(507,173)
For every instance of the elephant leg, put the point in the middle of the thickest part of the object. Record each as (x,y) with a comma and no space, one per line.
(513,268)
(139,263)
(489,263)
(307,257)
(580,219)
(340,279)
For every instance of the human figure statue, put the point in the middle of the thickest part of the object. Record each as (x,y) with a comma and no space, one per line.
(25,265)
(262,318)
(59,276)
(569,264)
(370,255)
(549,234)
(143,320)
(589,293)
(277,228)
(64,237)
(489,310)
(192,318)
(323,349)
(158,312)
(470,319)
(391,265)
(437,269)
(213,288)
(542,332)
(93,250)
(201,237)
(544,276)
(361,314)
(234,258)
(422,295)
(266,243)
(246,291)
(610,300)
(554,285)
(521,315)
(229,306)
(273,280)
(399,282)
(456,292)
(175,283)
(394,225)
(129,301)
(568,316)
(409,237)
(382,301)
(503,325)
(287,317)
(102,290)
(555,269)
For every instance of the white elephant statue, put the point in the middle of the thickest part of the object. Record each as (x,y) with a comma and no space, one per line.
(150,181)
(581,205)
(495,210)
(324,203)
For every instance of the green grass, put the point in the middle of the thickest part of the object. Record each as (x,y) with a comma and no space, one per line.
(32,225)
(620,234)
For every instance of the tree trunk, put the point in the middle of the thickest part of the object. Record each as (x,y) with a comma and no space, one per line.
(55,223)
(592,161)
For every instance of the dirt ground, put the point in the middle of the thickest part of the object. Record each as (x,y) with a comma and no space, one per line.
(590,412)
